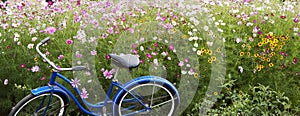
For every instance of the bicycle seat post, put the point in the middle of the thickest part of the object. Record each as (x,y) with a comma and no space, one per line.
(115,75)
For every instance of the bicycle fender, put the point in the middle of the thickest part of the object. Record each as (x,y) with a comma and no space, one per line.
(47,89)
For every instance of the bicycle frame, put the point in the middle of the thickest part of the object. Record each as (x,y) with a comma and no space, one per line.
(54,86)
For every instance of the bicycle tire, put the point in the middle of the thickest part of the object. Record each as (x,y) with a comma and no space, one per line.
(30,99)
(145,88)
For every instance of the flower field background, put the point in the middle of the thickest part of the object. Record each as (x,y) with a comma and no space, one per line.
(261,39)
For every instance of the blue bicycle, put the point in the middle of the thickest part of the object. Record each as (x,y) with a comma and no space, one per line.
(143,95)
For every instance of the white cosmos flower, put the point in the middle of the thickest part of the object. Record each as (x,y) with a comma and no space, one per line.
(183,72)
(194,49)
(16,35)
(16,39)
(169,58)
(196,44)
(296,29)
(205,28)
(142,48)
(30,46)
(34,39)
(241,69)
(198,52)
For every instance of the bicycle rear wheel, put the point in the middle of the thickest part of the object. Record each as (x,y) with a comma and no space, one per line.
(153,98)
(33,105)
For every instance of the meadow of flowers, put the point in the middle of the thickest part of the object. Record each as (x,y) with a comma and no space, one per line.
(261,39)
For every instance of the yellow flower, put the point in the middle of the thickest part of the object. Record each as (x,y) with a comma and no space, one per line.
(35,59)
(264,39)
(275,40)
(263,58)
(209,61)
(260,44)
(242,53)
(184,37)
(209,52)
(258,68)
(282,43)
(256,55)
(271,64)
(218,50)
(249,47)
(268,59)
(265,42)
(271,44)
(241,93)
(281,57)
(202,49)
(287,37)
(196,75)
(248,54)
(264,55)
(216,93)
(261,66)
(213,58)
(272,53)
(280,47)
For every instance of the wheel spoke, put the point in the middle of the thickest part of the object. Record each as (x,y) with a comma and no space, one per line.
(33,105)
(151,101)
(155,100)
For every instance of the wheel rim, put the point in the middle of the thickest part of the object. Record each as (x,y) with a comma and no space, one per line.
(41,110)
(158,100)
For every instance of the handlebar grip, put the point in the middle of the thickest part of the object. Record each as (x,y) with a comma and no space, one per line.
(45,40)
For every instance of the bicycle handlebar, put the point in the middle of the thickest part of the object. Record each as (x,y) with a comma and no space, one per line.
(45,40)
(52,63)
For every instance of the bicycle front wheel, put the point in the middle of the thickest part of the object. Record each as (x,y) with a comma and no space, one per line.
(153,98)
(50,105)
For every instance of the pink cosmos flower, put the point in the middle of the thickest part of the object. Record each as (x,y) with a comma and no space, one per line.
(60,57)
(50,30)
(5,26)
(180,63)
(69,41)
(149,55)
(78,55)
(47,53)
(171,47)
(134,51)
(110,30)
(186,60)
(142,61)
(22,65)
(35,69)
(75,83)
(104,36)
(294,60)
(84,94)
(108,74)
(133,46)
(43,78)
(296,20)
(107,57)
(169,26)
(131,30)
(93,52)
